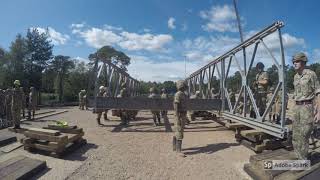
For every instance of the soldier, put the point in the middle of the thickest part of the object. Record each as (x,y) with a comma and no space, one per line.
(261,84)
(23,98)
(272,113)
(16,104)
(191,114)
(99,112)
(232,97)
(8,99)
(2,104)
(106,94)
(306,92)
(164,114)
(85,100)
(180,110)
(79,95)
(32,102)
(124,114)
(155,114)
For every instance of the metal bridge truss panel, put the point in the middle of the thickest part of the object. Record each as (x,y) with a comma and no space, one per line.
(222,65)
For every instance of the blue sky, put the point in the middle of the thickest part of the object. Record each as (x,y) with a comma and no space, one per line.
(157,34)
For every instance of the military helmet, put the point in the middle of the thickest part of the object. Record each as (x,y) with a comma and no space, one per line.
(16,83)
(152,90)
(163,90)
(260,65)
(181,84)
(300,57)
(100,88)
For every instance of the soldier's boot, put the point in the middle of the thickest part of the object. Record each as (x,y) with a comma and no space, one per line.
(29,115)
(105,116)
(155,120)
(178,147)
(174,142)
(159,121)
(98,121)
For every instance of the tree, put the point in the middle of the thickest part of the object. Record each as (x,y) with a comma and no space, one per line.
(61,65)
(38,55)
(108,53)
(17,56)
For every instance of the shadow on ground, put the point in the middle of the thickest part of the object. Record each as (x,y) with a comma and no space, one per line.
(209,149)
(77,155)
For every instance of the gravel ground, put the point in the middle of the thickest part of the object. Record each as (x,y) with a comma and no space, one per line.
(142,151)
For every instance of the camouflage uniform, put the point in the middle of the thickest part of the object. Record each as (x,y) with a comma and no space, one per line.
(16,104)
(180,115)
(124,114)
(23,99)
(32,102)
(191,114)
(261,93)
(232,97)
(2,104)
(102,93)
(155,114)
(81,99)
(8,95)
(85,101)
(306,88)
(164,114)
(272,112)
(106,94)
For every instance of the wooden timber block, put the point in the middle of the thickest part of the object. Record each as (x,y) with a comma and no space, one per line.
(21,130)
(267,155)
(74,137)
(235,125)
(71,131)
(11,147)
(20,167)
(59,127)
(60,138)
(44,131)
(251,132)
(7,139)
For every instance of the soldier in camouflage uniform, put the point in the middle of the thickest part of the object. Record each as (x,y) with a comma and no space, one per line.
(164,114)
(232,97)
(155,113)
(2,104)
(272,112)
(180,110)
(124,114)
(261,82)
(8,98)
(23,96)
(85,100)
(191,114)
(307,101)
(33,100)
(81,99)
(101,93)
(16,104)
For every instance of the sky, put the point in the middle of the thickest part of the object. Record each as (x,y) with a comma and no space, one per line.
(162,36)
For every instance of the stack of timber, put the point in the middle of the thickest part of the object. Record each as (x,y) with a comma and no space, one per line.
(21,167)
(255,167)
(54,140)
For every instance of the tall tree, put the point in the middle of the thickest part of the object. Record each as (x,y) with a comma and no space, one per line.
(61,65)
(39,53)
(108,53)
(17,55)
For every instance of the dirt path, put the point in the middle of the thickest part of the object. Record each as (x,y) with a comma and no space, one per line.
(142,151)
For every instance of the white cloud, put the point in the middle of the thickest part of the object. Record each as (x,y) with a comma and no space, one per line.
(80,25)
(81,59)
(220,18)
(134,41)
(56,37)
(184,27)
(96,37)
(142,67)
(171,23)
